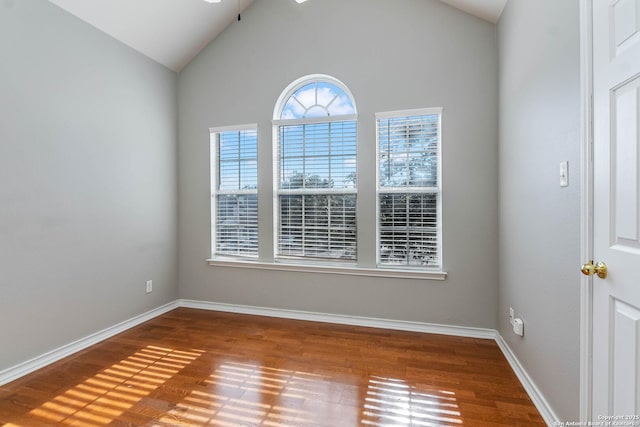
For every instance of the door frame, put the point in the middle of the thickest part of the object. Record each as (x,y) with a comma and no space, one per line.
(586,207)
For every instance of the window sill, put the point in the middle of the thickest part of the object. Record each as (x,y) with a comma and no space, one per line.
(332,269)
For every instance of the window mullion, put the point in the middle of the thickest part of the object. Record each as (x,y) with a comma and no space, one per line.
(329,231)
(280,157)
(329,142)
(303,215)
(239,166)
(389,152)
(218,175)
(407,227)
(304,154)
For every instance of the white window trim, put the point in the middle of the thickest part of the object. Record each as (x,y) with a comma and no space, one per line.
(312,120)
(438,190)
(276,123)
(407,113)
(213,182)
(351,270)
(221,129)
(302,81)
(337,267)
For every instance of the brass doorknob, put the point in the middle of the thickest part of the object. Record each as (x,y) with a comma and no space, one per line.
(599,269)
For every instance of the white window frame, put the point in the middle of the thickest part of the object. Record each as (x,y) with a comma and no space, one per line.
(268,233)
(409,190)
(214,173)
(277,122)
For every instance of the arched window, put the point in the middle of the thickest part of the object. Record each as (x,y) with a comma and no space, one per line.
(315,156)
(319,98)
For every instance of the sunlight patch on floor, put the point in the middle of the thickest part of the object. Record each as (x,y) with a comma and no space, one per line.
(394,402)
(252,394)
(101,399)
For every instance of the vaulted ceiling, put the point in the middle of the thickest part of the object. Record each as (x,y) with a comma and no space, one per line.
(173,32)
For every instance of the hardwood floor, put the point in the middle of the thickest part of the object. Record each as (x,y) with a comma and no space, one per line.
(195,367)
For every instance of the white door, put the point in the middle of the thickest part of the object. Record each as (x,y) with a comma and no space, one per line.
(616,210)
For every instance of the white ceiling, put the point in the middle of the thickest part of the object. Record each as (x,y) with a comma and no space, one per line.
(489,10)
(173,32)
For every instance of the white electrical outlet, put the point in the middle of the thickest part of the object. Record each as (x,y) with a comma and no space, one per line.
(149,286)
(511,313)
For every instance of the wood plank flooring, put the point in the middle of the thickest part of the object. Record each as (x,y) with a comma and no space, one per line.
(195,367)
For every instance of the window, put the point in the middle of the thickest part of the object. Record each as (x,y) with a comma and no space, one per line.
(234,183)
(409,188)
(315,160)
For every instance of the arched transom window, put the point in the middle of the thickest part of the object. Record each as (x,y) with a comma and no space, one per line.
(318,99)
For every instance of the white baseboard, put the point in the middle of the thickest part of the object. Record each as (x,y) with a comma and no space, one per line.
(400,325)
(532,390)
(530,387)
(24,368)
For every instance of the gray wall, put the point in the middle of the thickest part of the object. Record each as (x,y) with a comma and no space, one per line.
(539,221)
(423,54)
(87,180)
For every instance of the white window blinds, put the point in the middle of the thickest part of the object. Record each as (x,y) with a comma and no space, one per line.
(409,188)
(235,191)
(317,190)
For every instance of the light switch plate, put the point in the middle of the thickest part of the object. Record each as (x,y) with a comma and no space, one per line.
(564,174)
